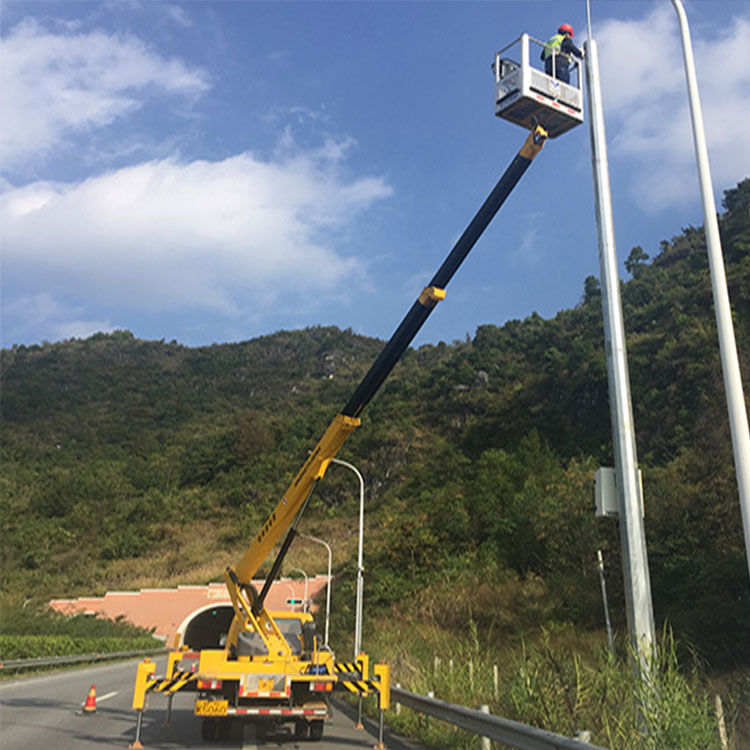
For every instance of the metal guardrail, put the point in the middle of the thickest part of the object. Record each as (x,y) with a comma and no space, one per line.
(53,661)
(509,732)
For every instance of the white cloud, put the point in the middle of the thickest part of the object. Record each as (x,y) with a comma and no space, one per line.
(227,237)
(645,103)
(28,315)
(54,85)
(179,15)
(531,249)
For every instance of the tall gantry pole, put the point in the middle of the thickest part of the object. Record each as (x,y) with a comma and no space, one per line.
(640,612)
(730,365)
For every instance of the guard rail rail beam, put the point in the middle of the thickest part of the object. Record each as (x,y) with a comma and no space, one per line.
(53,661)
(496,728)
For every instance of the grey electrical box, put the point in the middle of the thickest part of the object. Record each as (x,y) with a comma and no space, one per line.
(605,492)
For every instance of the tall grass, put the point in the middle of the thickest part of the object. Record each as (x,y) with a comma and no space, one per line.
(561,682)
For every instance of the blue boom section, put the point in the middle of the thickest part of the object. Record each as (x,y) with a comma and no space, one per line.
(421,310)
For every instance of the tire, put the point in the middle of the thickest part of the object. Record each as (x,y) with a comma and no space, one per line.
(316,730)
(224,729)
(254,732)
(300,729)
(208,729)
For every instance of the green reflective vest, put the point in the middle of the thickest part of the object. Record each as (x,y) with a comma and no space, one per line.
(553,46)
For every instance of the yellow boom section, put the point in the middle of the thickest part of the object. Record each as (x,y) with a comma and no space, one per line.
(250,614)
(281,518)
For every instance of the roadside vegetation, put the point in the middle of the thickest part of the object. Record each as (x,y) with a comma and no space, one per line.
(465,648)
(130,463)
(29,634)
(565,682)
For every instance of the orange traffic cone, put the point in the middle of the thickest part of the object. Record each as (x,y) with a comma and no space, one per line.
(89,707)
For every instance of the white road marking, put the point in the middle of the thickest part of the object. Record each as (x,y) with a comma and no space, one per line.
(100,698)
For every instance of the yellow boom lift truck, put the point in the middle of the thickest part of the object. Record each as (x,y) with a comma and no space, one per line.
(269,667)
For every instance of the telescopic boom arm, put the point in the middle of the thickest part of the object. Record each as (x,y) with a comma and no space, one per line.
(288,512)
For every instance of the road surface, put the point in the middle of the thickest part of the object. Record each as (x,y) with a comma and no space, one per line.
(44,713)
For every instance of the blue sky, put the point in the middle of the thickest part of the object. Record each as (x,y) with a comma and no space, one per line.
(211,172)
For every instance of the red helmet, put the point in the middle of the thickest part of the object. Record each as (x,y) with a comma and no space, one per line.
(566,27)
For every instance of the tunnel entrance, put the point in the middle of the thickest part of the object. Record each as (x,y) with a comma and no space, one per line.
(206,628)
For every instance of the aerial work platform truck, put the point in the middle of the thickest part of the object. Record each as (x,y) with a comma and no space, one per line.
(269,667)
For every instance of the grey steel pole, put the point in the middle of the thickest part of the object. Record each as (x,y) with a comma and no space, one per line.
(136,744)
(360,576)
(328,590)
(730,365)
(168,720)
(360,567)
(632,533)
(304,604)
(607,621)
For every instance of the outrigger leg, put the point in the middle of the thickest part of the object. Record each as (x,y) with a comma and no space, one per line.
(139,723)
(143,681)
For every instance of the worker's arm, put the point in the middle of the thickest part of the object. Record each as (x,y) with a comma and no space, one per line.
(569,48)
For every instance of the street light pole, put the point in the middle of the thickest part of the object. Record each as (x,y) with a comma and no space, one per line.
(738,426)
(360,568)
(636,576)
(328,592)
(299,570)
(360,576)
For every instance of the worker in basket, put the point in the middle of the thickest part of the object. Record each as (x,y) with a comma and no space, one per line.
(557,51)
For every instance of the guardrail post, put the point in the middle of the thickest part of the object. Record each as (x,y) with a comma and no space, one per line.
(397,705)
(430,694)
(496,682)
(485,709)
(582,735)
(720,722)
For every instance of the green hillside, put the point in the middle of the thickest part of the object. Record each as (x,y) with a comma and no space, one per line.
(131,463)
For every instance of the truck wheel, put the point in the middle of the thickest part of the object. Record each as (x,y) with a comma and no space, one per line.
(316,730)
(300,729)
(224,729)
(208,729)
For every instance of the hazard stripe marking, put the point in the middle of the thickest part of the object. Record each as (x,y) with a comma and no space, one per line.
(347,667)
(360,687)
(171,685)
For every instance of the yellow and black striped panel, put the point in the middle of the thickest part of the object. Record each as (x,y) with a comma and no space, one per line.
(347,666)
(359,687)
(171,685)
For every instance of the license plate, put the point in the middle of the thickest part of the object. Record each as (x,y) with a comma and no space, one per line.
(211,708)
